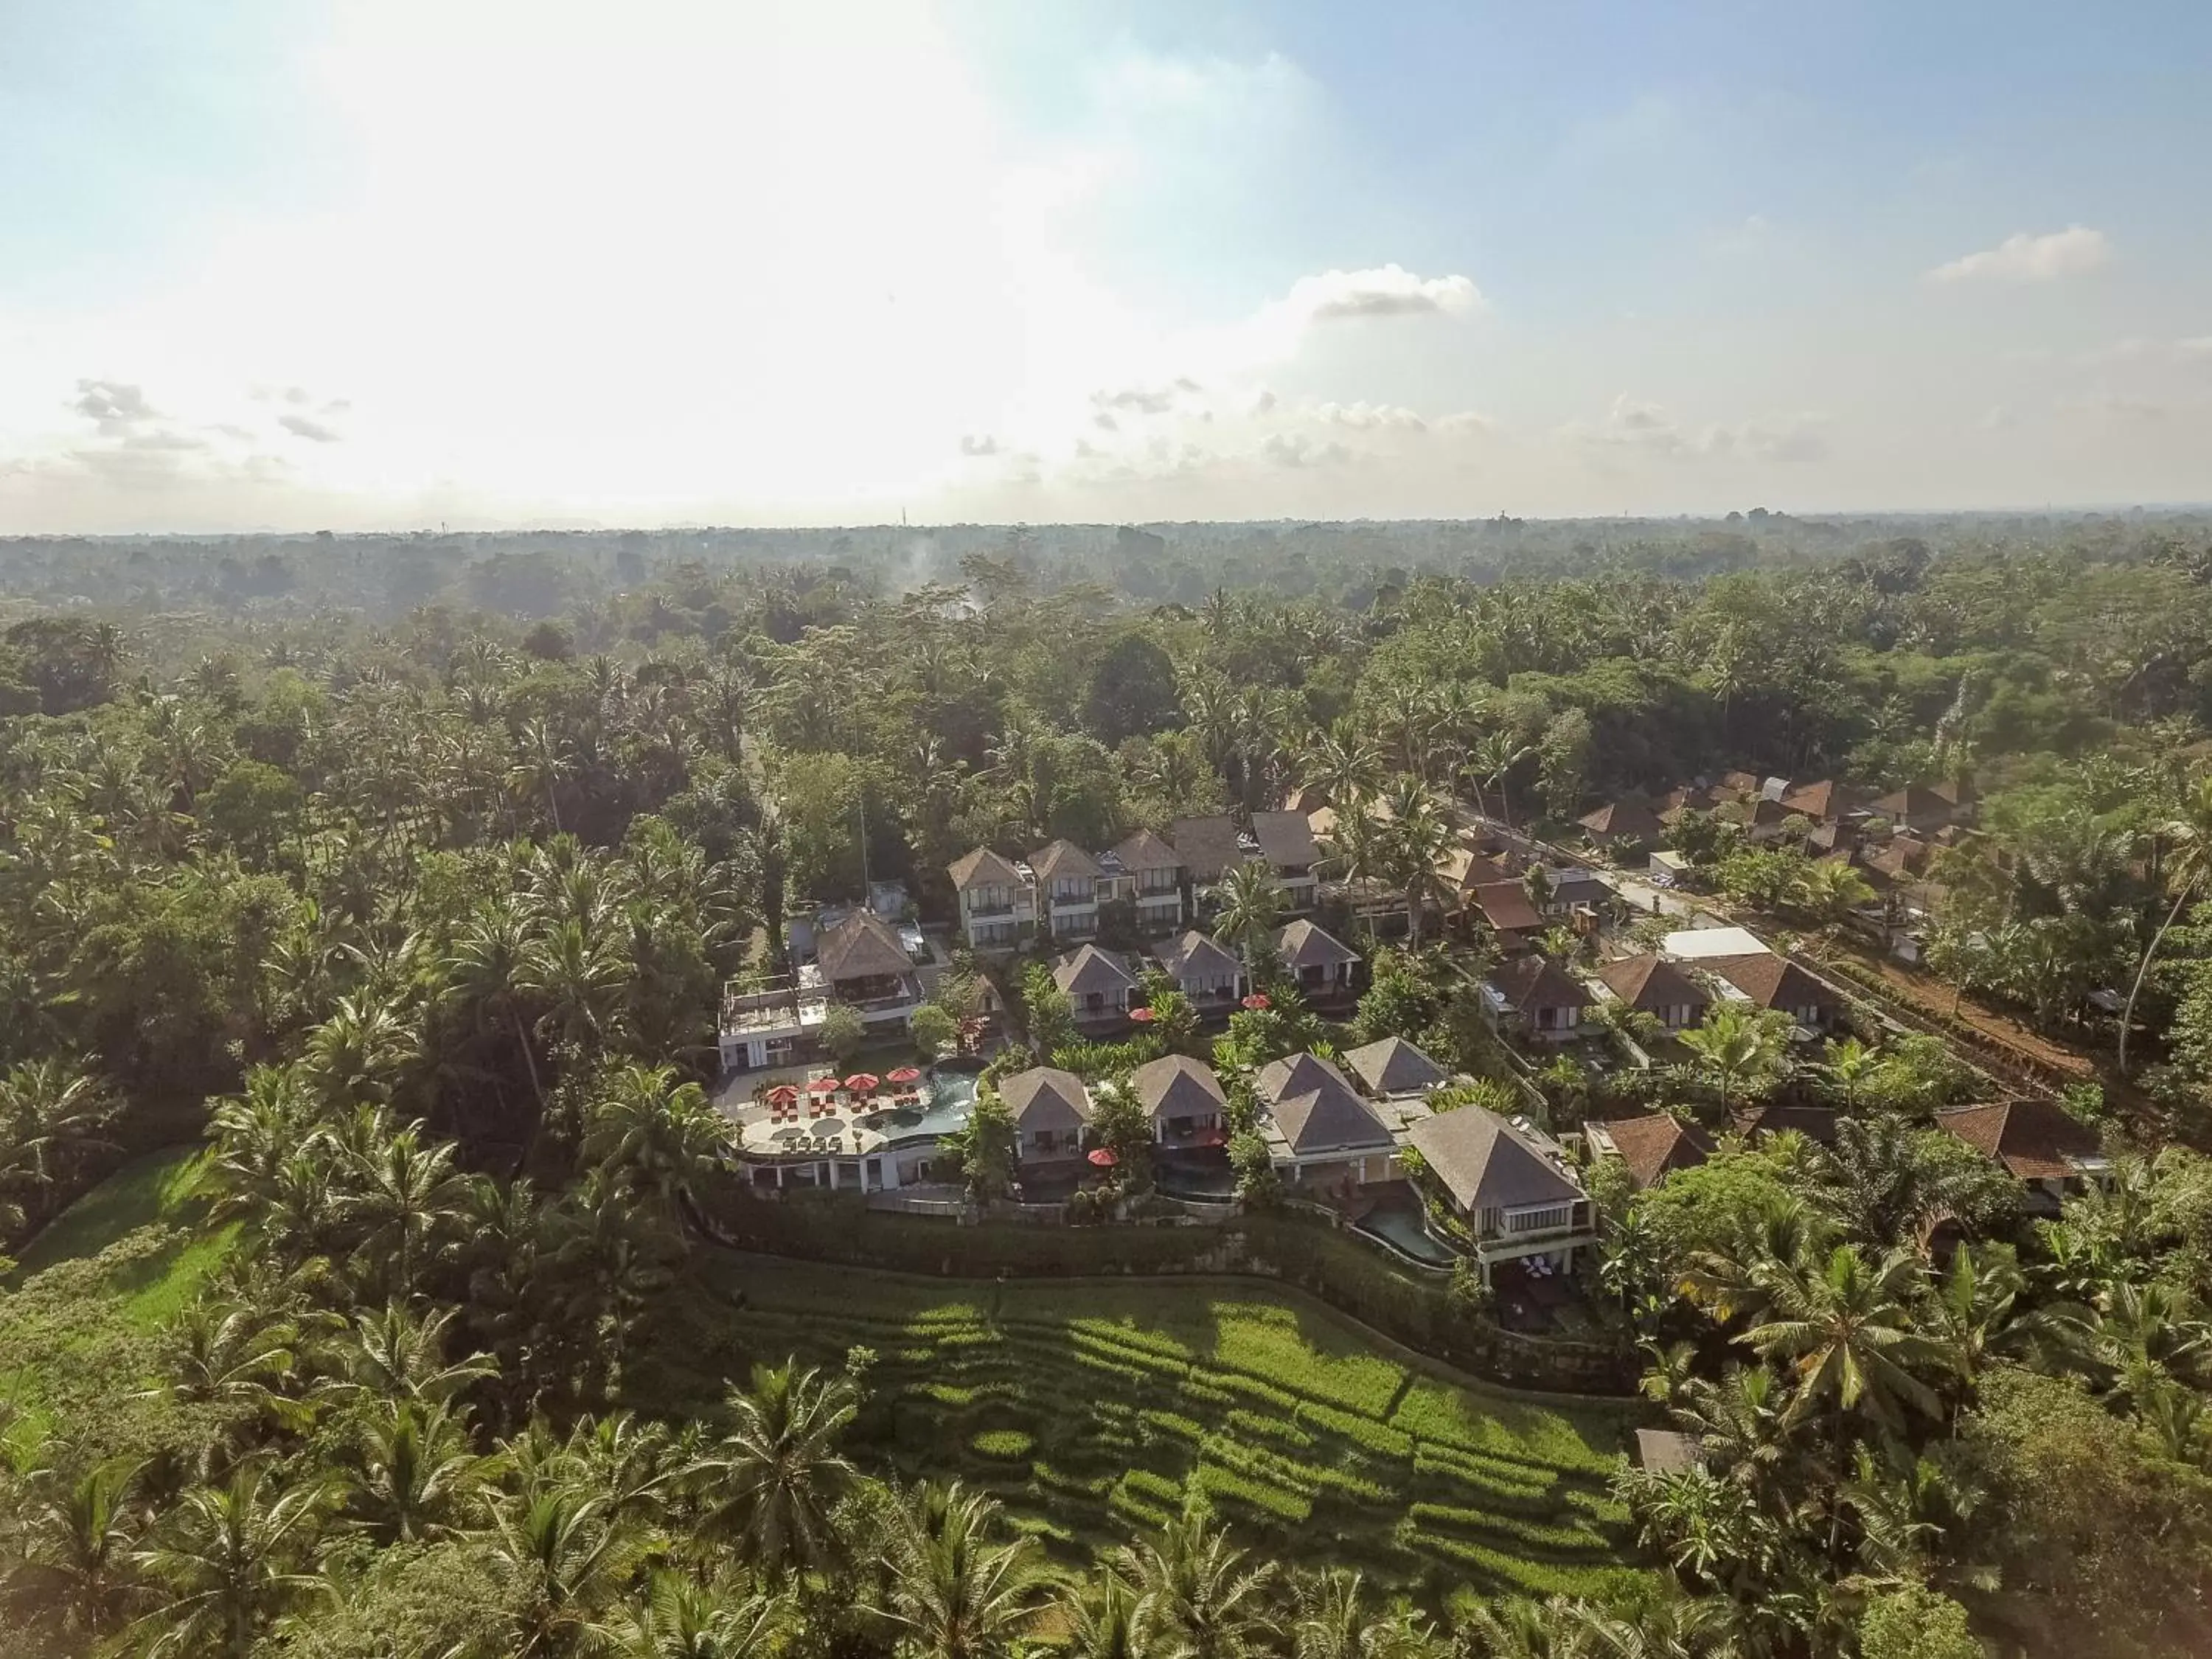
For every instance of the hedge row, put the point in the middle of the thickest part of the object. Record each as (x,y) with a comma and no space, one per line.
(1316,1258)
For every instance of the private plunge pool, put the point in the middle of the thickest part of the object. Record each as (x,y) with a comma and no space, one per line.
(1398,1220)
(947,1099)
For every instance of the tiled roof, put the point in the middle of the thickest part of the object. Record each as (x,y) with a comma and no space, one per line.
(862,946)
(1487,1163)
(982,868)
(1504,906)
(1146,851)
(1632,818)
(1285,838)
(1920,800)
(1653,984)
(1652,1146)
(1063,858)
(1823,800)
(1176,1085)
(1304,943)
(1537,981)
(1194,955)
(1772,981)
(1394,1066)
(1315,1107)
(1207,845)
(1046,1097)
(2032,1138)
(1091,971)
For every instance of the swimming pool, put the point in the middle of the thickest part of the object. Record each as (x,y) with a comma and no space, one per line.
(1180,1178)
(1397,1218)
(947,1099)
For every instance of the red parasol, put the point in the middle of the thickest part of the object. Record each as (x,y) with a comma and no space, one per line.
(782,1095)
(1257,1000)
(1103,1157)
(1143,1015)
(903,1074)
(864,1083)
(823,1085)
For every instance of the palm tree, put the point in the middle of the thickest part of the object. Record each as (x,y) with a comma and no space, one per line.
(359,1053)
(1251,906)
(658,1133)
(1849,1063)
(2190,836)
(1522,1627)
(75,1544)
(1419,837)
(51,1114)
(540,767)
(682,1618)
(1343,764)
(1493,760)
(1335,1619)
(221,1564)
(406,1201)
(395,1354)
(1101,1619)
(1851,1335)
(409,1473)
(488,968)
(1675,1627)
(773,1480)
(573,1552)
(1196,1598)
(958,1594)
(579,976)
(1735,1046)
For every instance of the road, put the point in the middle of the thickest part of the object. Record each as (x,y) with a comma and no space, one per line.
(1656,900)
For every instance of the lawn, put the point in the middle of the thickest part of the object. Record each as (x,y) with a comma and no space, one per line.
(80,1315)
(1093,1410)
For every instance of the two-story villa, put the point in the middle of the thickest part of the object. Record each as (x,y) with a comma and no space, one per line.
(1146,872)
(997,901)
(1511,1186)
(1066,880)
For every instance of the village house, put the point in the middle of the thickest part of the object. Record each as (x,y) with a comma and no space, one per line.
(1203,969)
(1319,1130)
(1051,1110)
(1321,964)
(1184,1099)
(1621,823)
(1926,807)
(1098,987)
(1504,906)
(996,898)
(860,961)
(1285,842)
(1146,872)
(2042,1147)
(1816,1123)
(1824,802)
(1651,985)
(1394,1069)
(1066,880)
(1534,995)
(1649,1147)
(1512,1187)
(1768,982)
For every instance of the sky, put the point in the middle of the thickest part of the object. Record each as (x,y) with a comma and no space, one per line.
(298,265)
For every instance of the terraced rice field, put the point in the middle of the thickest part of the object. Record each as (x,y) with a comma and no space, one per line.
(1093,1410)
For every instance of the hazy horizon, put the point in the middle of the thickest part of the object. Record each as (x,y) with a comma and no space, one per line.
(353,266)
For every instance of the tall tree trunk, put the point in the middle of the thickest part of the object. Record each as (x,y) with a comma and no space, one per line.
(2142,969)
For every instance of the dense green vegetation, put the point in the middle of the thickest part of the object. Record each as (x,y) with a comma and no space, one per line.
(404,874)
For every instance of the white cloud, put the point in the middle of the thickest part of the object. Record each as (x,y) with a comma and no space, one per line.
(978,443)
(1381,291)
(1295,450)
(1372,417)
(1638,427)
(2022,257)
(306,426)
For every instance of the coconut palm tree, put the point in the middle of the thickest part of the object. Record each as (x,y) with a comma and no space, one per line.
(1251,906)
(957,1591)
(1735,1046)
(406,1200)
(658,1133)
(679,1617)
(573,1554)
(579,977)
(487,971)
(51,1115)
(2187,839)
(1196,1597)
(1850,1332)
(408,1474)
(1492,761)
(540,767)
(394,1353)
(1419,837)
(1344,764)
(223,1562)
(773,1480)
(74,1545)
(1522,1627)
